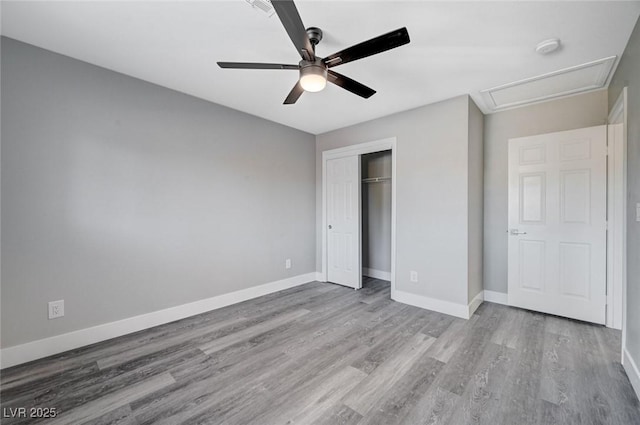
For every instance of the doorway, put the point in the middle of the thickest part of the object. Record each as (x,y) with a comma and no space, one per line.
(343,254)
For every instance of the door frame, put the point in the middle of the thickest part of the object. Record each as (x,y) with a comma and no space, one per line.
(617,188)
(351,150)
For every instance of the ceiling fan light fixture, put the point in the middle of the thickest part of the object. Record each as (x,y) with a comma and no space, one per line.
(313,78)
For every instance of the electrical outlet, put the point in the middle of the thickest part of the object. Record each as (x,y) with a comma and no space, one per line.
(56,309)
(287,263)
(413,276)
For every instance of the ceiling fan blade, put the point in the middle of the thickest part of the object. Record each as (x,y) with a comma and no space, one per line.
(290,18)
(351,85)
(294,94)
(371,47)
(254,65)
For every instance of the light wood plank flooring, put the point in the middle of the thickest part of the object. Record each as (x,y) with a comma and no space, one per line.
(325,354)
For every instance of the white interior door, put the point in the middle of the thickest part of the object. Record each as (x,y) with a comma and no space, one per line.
(343,221)
(557,223)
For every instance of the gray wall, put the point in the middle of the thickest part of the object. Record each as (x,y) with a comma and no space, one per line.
(628,74)
(569,113)
(475,220)
(431,184)
(122,197)
(376,212)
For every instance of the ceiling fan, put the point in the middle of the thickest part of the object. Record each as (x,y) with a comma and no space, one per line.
(315,71)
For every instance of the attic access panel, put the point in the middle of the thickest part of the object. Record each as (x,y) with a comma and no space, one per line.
(573,80)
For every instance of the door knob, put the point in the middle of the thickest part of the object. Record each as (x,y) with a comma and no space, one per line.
(516,232)
(330,227)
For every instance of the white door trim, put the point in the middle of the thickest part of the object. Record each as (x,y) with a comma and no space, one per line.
(618,115)
(615,218)
(361,149)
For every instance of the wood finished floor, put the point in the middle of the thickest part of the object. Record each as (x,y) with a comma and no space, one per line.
(325,354)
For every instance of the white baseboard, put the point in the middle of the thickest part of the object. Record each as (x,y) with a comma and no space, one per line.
(495,297)
(376,274)
(632,370)
(24,353)
(434,304)
(475,303)
(320,277)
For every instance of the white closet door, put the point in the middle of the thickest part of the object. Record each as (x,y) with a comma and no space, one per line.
(343,221)
(557,223)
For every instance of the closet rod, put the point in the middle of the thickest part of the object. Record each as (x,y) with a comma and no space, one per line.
(376,179)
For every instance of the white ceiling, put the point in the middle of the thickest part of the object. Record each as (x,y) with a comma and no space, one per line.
(456,48)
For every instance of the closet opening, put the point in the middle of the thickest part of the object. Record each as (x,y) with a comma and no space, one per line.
(358,217)
(376,209)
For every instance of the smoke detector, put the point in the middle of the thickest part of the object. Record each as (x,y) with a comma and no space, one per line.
(263,6)
(547,46)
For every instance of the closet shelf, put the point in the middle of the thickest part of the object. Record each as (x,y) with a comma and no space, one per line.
(376,179)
